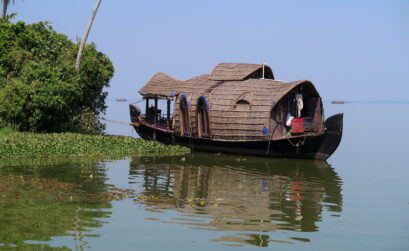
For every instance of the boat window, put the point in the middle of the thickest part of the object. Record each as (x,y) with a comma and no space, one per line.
(242,102)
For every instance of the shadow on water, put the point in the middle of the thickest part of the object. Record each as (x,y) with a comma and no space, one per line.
(248,196)
(41,199)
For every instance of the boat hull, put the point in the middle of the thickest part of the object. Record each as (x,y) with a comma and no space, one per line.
(318,147)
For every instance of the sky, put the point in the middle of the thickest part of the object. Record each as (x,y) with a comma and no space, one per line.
(351,50)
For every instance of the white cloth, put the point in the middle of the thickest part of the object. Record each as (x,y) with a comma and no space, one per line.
(300,104)
(289,120)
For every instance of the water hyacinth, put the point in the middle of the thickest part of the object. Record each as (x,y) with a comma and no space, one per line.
(20,145)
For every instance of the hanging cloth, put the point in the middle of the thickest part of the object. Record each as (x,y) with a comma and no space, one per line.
(300,104)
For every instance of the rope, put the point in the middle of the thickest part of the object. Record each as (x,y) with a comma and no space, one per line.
(270,138)
(137,102)
(298,143)
(277,120)
(118,122)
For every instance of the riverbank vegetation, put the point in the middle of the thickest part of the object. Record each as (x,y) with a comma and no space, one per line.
(40,88)
(51,145)
(48,107)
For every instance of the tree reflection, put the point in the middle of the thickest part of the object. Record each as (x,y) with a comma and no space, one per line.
(232,193)
(41,199)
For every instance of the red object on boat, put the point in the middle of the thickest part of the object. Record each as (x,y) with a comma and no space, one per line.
(297,125)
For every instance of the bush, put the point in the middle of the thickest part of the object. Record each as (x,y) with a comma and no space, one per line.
(40,89)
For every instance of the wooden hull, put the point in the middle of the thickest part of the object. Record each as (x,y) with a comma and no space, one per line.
(318,147)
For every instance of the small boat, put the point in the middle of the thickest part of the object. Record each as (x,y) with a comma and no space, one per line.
(238,108)
(121,99)
(337,101)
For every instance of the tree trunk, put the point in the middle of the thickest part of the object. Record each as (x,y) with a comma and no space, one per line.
(84,38)
(5,5)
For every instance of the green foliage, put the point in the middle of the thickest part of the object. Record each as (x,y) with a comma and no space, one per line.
(40,89)
(86,122)
(20,145)
(6,131)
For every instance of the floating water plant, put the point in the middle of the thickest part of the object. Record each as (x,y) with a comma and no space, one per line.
(22,145)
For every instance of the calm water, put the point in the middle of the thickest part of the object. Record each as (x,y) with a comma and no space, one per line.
(357,200)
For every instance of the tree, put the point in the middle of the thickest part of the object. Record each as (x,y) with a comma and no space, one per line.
(40,88)
(5,6)
(85,37)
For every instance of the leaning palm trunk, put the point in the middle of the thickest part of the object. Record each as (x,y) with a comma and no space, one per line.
(84,38)
(5,5)
(4,10)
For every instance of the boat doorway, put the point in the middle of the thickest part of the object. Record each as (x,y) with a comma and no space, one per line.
(184,110)
(203,118)
(298,113)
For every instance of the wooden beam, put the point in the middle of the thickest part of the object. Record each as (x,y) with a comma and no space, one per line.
(155,113)
(168,114)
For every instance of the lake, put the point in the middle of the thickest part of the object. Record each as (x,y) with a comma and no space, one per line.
(358,199)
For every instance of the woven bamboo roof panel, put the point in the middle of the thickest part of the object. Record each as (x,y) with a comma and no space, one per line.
(229,120)
(235,71)
(161,85)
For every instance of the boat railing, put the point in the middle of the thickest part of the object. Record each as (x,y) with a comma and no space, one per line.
(162,120)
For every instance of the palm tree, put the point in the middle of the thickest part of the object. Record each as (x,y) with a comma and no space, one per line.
(84,38)
(5,6)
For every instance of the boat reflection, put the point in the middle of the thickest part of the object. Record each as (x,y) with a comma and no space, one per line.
(239,194)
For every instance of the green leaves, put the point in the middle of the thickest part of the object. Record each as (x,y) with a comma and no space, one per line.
(40,90)
(20,145)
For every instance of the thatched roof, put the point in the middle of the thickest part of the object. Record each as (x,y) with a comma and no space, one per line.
(236,71)
(161,85)
(228,121)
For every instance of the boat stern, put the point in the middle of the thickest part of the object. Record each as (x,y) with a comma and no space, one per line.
(333,134)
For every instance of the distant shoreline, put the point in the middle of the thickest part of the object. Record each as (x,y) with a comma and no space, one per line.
(397,102)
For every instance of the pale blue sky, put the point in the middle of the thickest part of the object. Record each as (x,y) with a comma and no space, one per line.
(354,50)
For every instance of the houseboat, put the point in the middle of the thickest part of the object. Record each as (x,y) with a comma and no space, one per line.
(238,108)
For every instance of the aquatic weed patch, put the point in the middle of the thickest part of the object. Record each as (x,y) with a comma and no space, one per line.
(20,145)
(28,187)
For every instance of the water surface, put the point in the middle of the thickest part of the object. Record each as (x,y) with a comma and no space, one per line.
(356,200)
(224,199)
